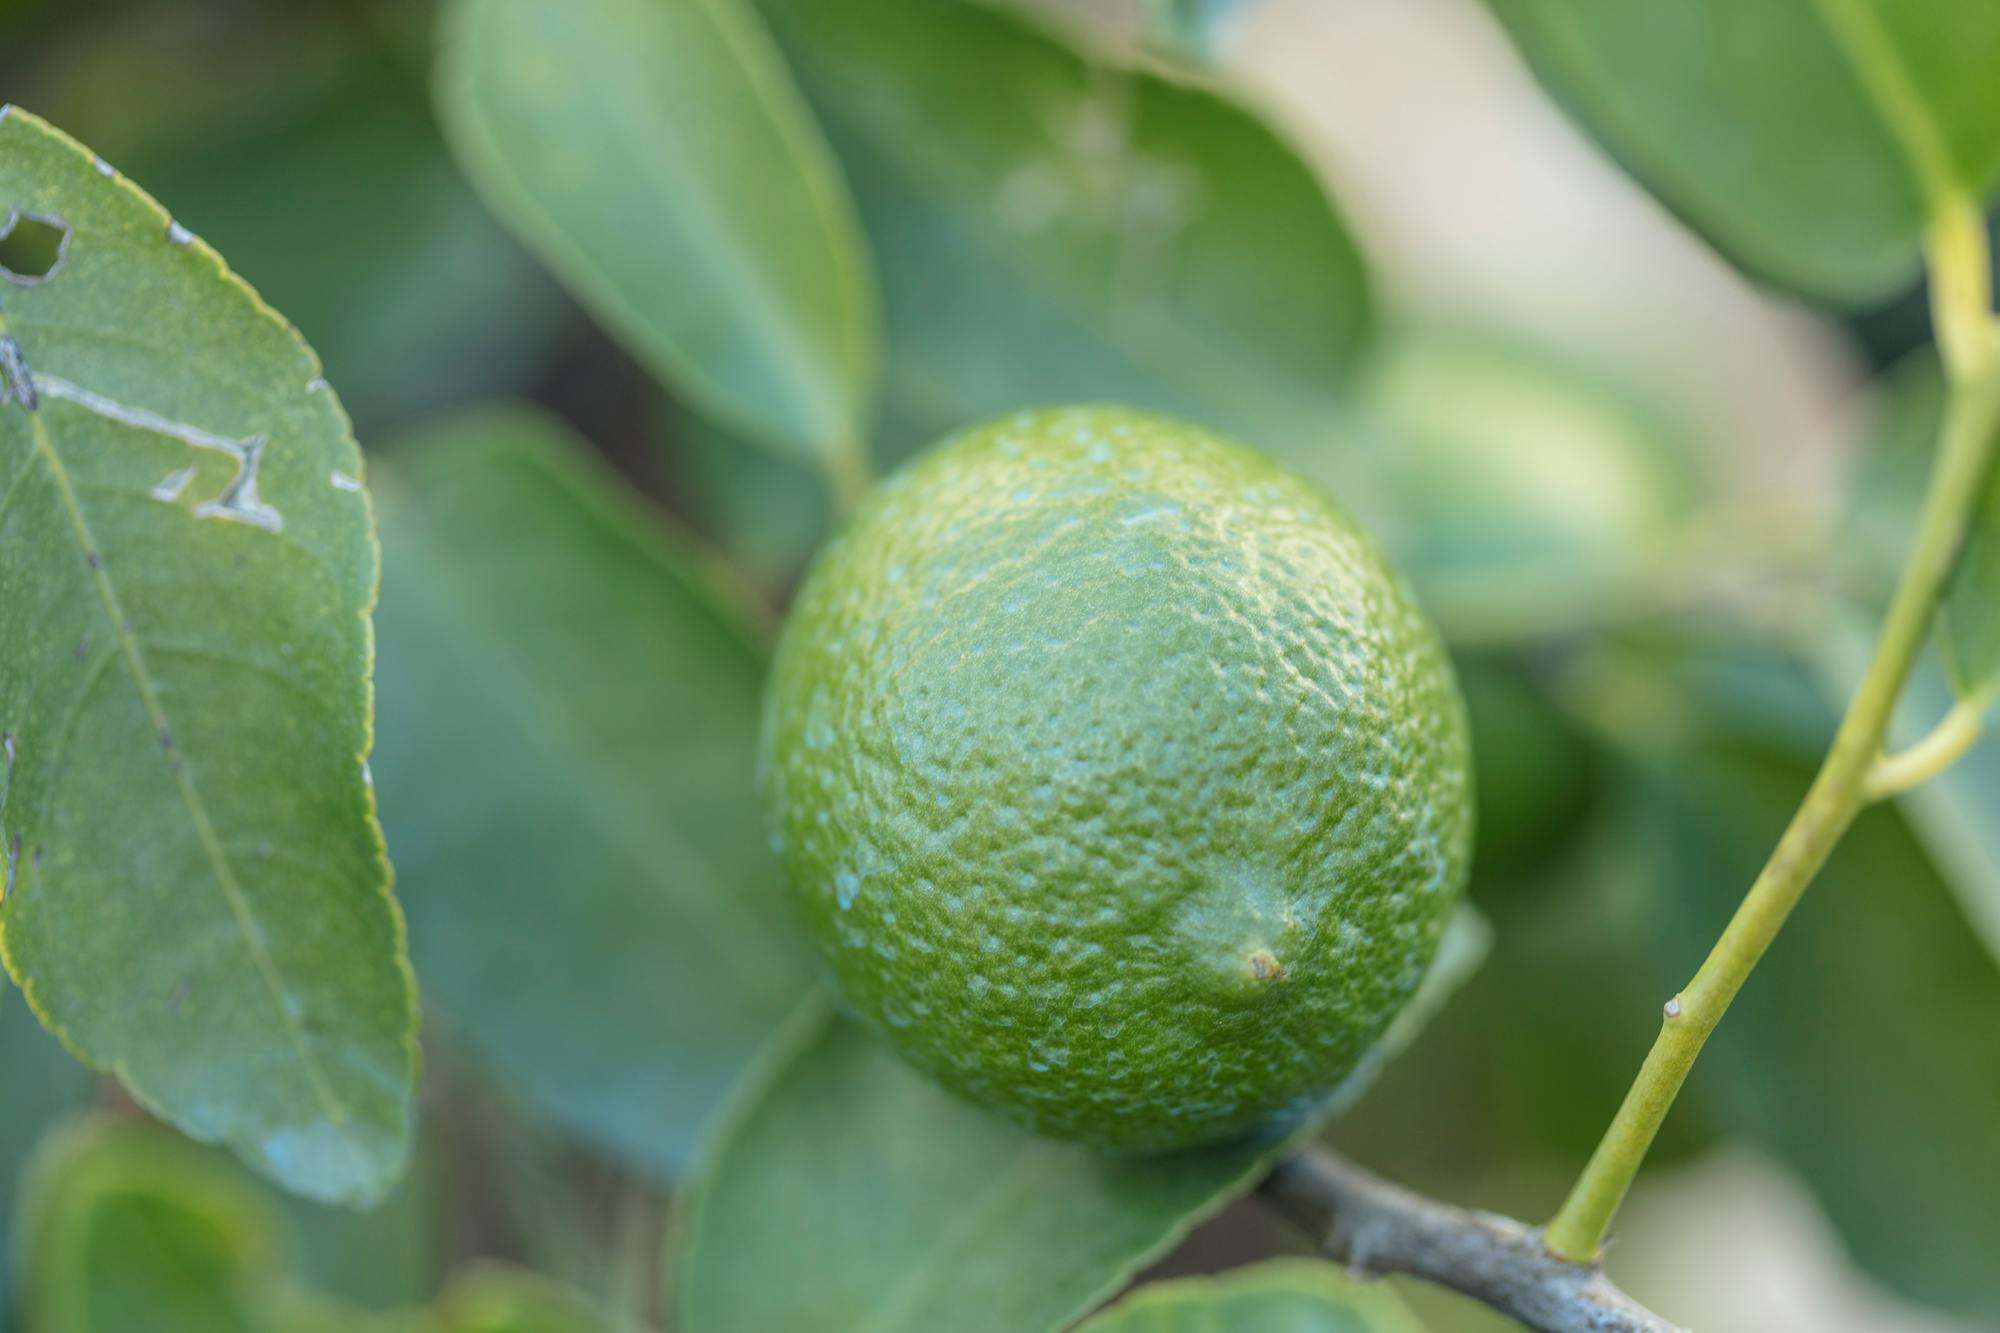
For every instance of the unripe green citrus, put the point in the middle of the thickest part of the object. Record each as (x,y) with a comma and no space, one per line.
(1118,776)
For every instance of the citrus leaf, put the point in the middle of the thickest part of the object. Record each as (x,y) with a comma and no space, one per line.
(1281,1296)
(410,292)
(1885,492)
(916,1210)
(125,1227)
(892,1205)
(570,709)
(657,156)
(128,1227)
(39,1085)
(1953,811)
(488,1298)
(197,894)
(1970,616)
(1804,137)
(1075,232)
(395,1253)
(505,1300)
(1518,490)
(288,1309)
(766,514)
(1884,513)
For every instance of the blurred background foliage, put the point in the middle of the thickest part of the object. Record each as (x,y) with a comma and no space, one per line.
(1654,507)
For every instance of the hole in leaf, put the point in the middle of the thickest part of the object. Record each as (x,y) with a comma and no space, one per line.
(31,247)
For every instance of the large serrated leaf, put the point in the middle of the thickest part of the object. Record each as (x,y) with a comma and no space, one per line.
(570,705)
(196,894)
(892,1205)
(1048,227)
(1281,1296)
(1806,137)
(656,155)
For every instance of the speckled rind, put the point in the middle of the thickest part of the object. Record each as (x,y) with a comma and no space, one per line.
(1119,777)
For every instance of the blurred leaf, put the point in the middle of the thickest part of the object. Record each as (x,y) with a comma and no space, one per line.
(486,1299)
(1801,135)
(890,1204)
(199,898)
(1970,616)
(1866,1049)
(1533,774)
(1075,232)
(124,1227)
(413,296)
(1953,812)
(502,1300)
(569,712)
(1891,468)
(1518,489)
(657,156)
(1461,951)
(1282,1296)
(1888,493)
(766,513)
(286,1309)
(1442,1310)
(1187,28)
(1512,1085)
(391,1255)
(128,1228)
(39,1085)
(288,138)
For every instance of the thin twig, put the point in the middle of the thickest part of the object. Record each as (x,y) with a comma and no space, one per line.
(1376,1227)
(1840,791)
(1946,744)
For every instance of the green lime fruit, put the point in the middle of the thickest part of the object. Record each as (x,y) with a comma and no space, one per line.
(1118,776)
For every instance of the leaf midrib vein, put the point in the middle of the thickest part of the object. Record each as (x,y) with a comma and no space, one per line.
(1885,81)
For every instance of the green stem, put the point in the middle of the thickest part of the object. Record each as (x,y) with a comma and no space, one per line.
(1841,790)
(1961,288)
(1957,732)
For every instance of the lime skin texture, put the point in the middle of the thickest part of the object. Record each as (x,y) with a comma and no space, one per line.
(1118,777)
